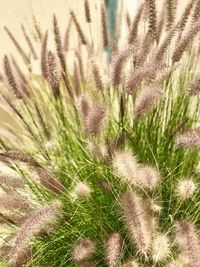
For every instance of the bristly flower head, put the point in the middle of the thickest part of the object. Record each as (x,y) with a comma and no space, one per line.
(135,218)
(160,247)
(194,88)
(189,139)
(32,227)
(186,189)
(95,119)
(188,241)
(125,164)
(146,100)
(83,249)
(113,249)
(81,190)
(119,64)
(11,79)
(148,177)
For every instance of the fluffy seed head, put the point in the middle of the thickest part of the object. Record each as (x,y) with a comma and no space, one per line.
(189,139)
(31,227)
(184,42)
(84,105)
(160,247)
(11,181)
(146,100)
(13,200)
(78,28)
(97,77)
(104,26)
(10,77)
(148,177)
(119,64)
(135,219)
(94,121)
(194,88)
(49,181)
(134,26)
(113,249)
(44,58)
(185,189)
(87,11)
(141,74)
(54,74)
(125,164)
(82,190)
(83,249)
(188,241)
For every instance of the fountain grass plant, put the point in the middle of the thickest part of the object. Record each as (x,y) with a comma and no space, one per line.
(100,167)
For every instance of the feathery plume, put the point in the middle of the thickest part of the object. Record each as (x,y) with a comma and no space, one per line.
(87,11)
(185,15)
(146,100)
(94,121)
(18,47)
(97,77)
(188,241)
(81,190)
(11,79)
(67,36)
(125,164)
(54,74)
(104,26)
(44,57)
(189,139)
(29,42)
(184,42)
(134,215)
(77,80)
(196,10)
(11,181)
(83,249)
(134,26)
(96,150)
(13,200)
(171,8)
(78,28)
(130,263)
(113,248)
(49,181)
(141,74)
(148,177)
(58,42)
(185,189)
(31,227)
(119,63)
(37,28)
(84,106)
(194,88)
(165,43)
(152,17)
(160,247)
(18,156)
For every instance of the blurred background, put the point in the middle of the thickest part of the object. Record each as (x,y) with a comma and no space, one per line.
(15,12)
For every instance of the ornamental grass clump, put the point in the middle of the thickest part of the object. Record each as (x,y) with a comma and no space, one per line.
(99,156)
